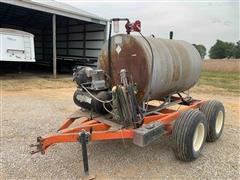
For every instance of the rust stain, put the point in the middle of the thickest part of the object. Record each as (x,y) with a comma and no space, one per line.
(132,58)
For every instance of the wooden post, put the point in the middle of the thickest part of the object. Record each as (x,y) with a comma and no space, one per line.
(54,46)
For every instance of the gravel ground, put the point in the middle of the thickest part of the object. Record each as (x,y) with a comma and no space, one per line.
(33,112)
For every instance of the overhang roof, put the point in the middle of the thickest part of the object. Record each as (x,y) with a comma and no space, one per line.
(14,32)
(58,8)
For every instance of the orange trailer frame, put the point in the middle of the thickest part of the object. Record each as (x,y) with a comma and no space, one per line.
(98,128)
(101,131)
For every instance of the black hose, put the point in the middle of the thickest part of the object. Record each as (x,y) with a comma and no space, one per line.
(109,53)
(149,91)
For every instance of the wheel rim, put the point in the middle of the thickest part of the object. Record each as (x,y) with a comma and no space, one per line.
(198,136)
(219,122)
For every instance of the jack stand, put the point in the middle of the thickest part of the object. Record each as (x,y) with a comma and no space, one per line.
(83,139)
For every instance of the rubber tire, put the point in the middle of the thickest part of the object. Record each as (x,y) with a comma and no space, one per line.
(183,132)
(211,110)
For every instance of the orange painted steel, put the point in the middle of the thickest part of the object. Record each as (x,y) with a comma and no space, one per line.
(74,137)
(95,127)
(99,131)
(57,138)
(68,122)
(120,134)
(89,122)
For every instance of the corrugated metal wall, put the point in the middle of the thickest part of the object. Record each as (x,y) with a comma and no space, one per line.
(74,41)
(77,41)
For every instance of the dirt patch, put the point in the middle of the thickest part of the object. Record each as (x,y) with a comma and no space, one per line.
(222,65)
(20,82)
(30,109)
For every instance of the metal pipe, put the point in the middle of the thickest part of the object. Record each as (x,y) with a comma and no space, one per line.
(109,51)
(54,46)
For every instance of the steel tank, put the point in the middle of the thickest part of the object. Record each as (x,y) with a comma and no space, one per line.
(168,66)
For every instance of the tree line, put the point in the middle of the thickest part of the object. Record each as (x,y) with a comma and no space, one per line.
(220,50)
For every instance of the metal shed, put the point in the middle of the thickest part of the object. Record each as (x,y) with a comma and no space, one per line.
(63,34)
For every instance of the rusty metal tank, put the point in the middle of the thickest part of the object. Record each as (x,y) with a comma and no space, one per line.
(176,64)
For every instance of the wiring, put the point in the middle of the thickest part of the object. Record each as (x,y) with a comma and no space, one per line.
(108,110)
(94,96)
(103,102)
(152,65)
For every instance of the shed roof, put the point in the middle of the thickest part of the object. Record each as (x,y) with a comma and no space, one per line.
(14,32)
(58,8)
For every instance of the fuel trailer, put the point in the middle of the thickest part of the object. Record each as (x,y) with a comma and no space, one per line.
(116,99)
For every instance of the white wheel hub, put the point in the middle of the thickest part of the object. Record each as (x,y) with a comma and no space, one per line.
(219,122)
(198,136)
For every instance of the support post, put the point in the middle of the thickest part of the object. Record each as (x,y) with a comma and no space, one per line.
(171,35)
(67,37)
(84,40)
(43,46)
(83,141)
(54,46)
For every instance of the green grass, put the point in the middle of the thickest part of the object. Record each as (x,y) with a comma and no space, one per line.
(229,81)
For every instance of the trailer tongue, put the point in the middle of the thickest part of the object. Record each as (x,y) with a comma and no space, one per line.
(115,99)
